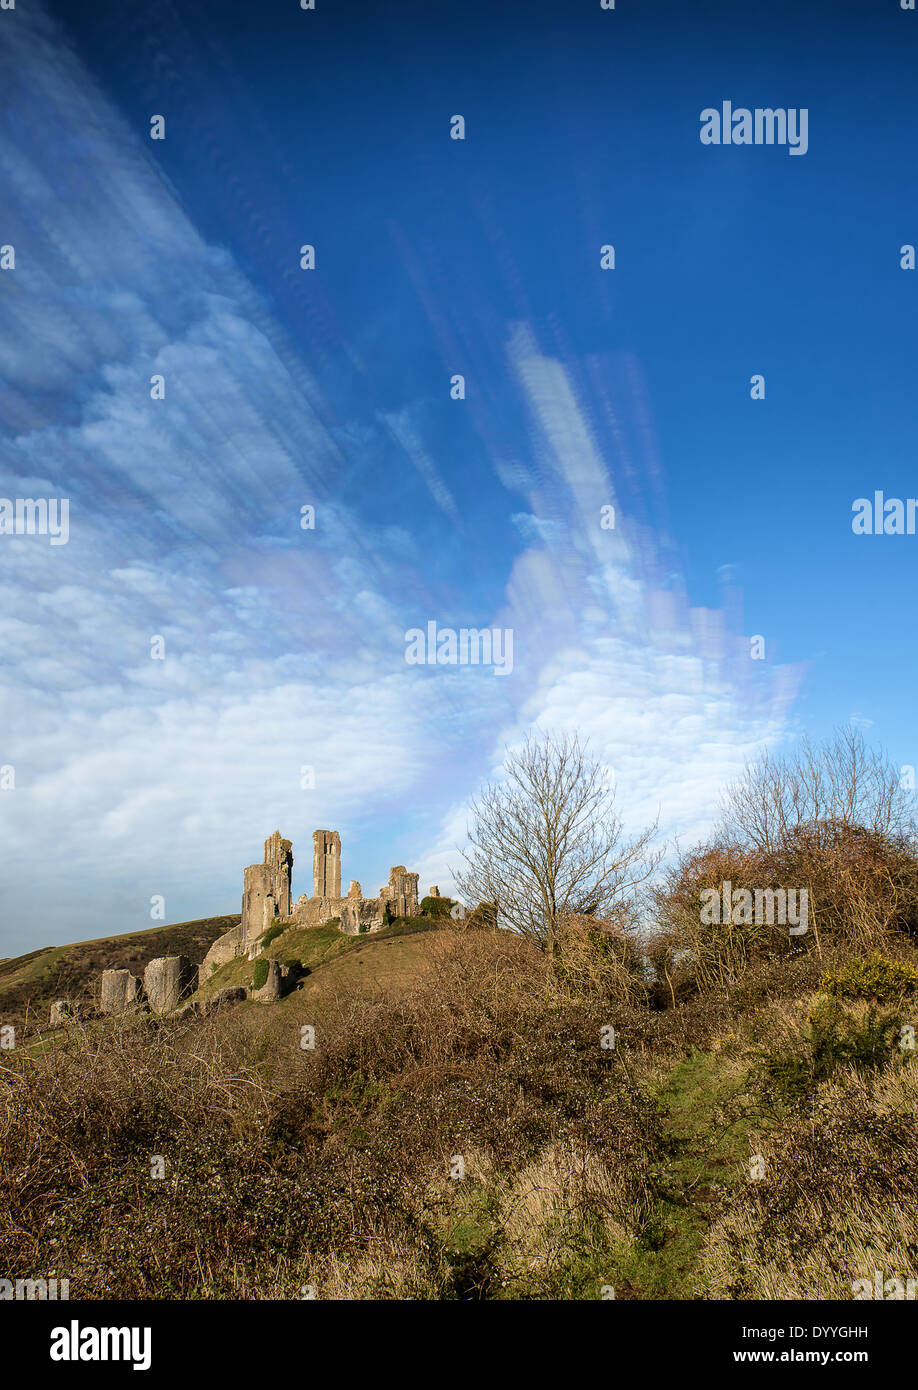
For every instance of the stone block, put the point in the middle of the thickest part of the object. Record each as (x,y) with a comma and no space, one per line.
(232,994)
(273,987)
(121,991)
(167,981)
(62,1011)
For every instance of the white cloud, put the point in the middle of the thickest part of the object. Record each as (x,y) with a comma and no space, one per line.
(284,648)
(667,696)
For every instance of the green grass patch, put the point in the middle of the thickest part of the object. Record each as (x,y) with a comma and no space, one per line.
(708,1114)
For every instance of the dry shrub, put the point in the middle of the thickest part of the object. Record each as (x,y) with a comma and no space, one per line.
(831,819)
(692,954)
(480,1052)
(862,884)
(597,959)
(862,890)
(551,1229)
(836,1201)
(388,1270)
(81,1124)
(286,1167)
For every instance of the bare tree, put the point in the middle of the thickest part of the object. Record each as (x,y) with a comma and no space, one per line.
(546,843)
(818,789)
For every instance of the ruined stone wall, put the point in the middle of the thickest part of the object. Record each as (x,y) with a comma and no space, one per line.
(266,891)
(356,913)
(401,892)
(121,991)
(259,905)
(226,947)
(167,981)
(312,912)
(362,914)
(279,857)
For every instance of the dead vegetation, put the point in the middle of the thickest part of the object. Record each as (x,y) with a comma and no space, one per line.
(714,1113)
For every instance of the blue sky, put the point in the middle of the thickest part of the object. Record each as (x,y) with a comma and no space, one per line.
(285,648)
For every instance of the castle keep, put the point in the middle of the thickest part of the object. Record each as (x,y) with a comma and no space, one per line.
(267,895)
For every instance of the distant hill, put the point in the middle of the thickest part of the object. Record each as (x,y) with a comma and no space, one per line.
(28,983)
(334,964)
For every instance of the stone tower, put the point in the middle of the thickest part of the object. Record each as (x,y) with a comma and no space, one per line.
(279,863)
(326,864)
(266,888)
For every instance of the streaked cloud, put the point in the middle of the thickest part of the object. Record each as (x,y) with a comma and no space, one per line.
(284,647)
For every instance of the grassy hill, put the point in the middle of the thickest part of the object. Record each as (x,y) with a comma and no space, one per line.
(332,962)
(459,1130)
(697,1108)
(28,983)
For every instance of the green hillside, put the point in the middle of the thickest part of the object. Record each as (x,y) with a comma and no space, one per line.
(356,959)
(28,983)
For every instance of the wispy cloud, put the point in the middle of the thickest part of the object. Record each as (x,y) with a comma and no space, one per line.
(284,647)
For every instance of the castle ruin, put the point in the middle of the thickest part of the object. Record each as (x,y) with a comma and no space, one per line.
(326,864)
(267,897)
